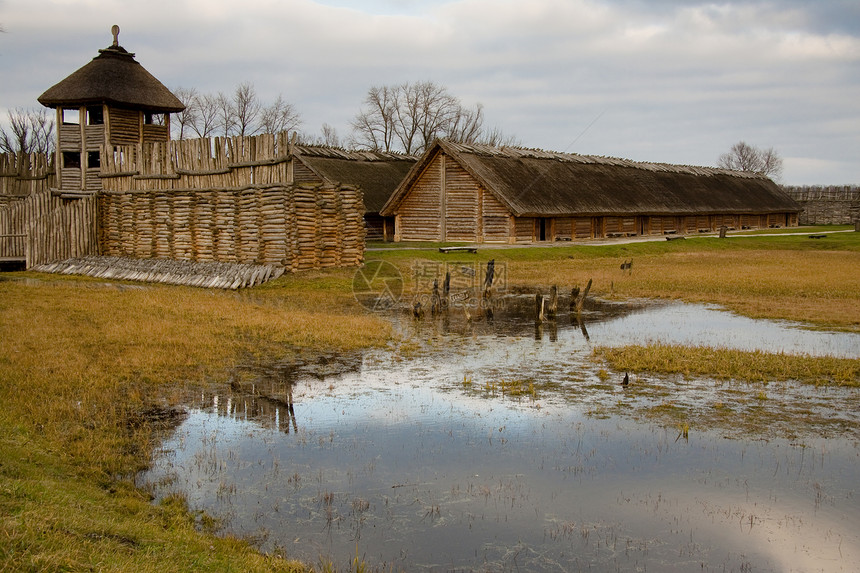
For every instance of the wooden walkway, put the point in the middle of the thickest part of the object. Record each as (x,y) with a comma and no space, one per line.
(166,271)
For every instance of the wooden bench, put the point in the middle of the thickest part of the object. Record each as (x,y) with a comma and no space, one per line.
(675,238)
(817,236)
(458,249)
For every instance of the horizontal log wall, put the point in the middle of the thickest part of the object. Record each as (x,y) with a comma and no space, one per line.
(496,219)
(563,229)
(419,215)
(225,200)
(461,204)
(299,227)
(524,228)
(584,227)
(124,126)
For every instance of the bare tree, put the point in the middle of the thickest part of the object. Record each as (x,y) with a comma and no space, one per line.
(373,127)
(240,113)
(745,157)
(280,116)
(329,136)
(771,163)
(409,116)
(466,126)
(206,115)
(246,109)
(496,138)
(225,114)
(30,131)
(438,110)
(184,121)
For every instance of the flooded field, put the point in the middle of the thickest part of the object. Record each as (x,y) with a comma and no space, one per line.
(502,446)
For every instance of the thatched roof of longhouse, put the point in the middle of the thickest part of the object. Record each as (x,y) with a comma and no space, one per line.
(377,174)
(551,184)
(114,78)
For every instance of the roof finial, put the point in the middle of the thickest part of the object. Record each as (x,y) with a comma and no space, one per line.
(115,31)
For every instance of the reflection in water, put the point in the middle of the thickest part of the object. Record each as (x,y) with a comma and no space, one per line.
(268,412)
(418,461)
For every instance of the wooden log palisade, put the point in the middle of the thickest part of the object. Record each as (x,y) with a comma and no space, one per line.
(222,200)
(297,227)
(226,200)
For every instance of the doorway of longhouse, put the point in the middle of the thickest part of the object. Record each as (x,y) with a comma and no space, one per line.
(544,227)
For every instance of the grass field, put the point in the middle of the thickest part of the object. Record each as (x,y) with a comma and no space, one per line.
(87,369)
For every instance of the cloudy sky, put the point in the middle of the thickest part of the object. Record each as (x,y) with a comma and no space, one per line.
(650,80)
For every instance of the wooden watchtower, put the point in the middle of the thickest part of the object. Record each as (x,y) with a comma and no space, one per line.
(110,101)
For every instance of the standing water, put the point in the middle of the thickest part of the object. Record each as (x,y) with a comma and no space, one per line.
(504,447)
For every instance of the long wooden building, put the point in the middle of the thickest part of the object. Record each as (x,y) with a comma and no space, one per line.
(480,194)
(377,174)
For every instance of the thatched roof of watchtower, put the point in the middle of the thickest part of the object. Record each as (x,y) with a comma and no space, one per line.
(114,78)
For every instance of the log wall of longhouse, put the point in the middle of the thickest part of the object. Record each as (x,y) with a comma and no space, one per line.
(419,216)
(462,205)
(496,219)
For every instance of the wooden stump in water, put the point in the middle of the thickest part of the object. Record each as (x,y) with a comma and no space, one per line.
(436,300)
(417,311)
(491,269)
(581,299)
(574,296)
(487,303)
(552,306)
(540,308)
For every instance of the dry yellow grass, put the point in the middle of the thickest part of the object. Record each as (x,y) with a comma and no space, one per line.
(818,287)
(726,364)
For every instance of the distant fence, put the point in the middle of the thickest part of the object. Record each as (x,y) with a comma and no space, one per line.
(827,205)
